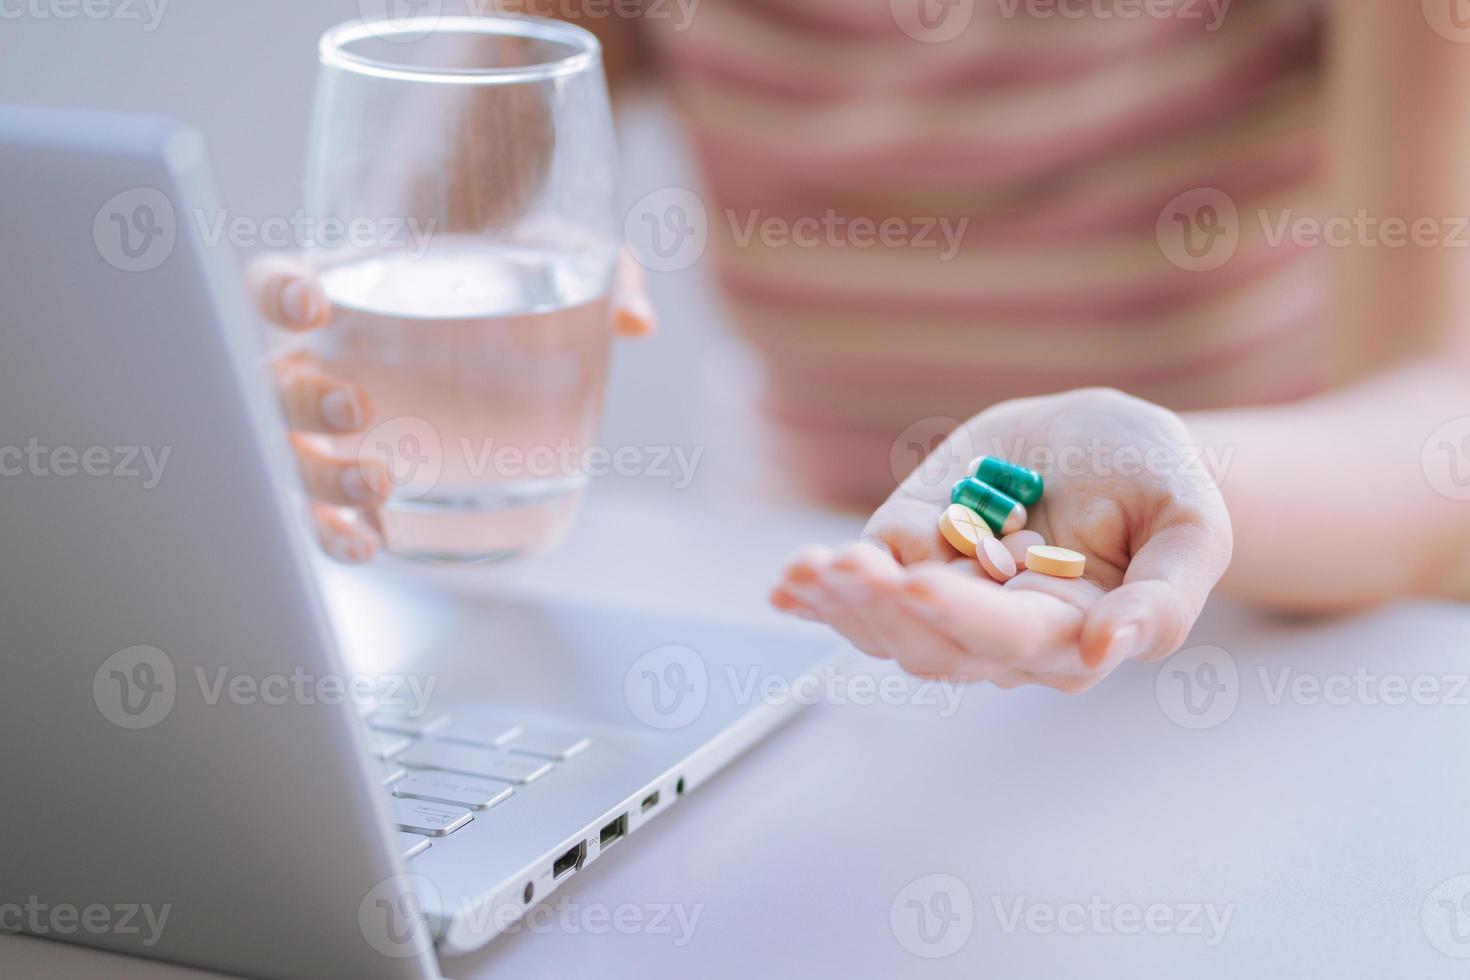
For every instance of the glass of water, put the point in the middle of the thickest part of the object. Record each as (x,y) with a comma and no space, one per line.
(460,192)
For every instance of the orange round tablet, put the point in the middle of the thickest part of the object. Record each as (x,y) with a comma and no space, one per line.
(964,529)
(997,560)
(1056,562)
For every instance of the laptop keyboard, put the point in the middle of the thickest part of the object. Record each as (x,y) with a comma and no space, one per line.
(444,771)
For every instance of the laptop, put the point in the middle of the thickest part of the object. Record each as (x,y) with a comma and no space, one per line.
(194,773)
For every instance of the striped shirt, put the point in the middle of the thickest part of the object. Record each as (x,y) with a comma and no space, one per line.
(908,229)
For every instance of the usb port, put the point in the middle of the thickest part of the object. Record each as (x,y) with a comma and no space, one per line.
(570,861)
(613,831)
(650,801)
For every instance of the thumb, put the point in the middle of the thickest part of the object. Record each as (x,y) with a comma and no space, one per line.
(1150,615)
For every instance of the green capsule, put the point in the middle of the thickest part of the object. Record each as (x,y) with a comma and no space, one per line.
(1012,480)
(1003,514)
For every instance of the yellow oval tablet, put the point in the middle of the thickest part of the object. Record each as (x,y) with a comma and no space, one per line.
(964,529)
(1056,562)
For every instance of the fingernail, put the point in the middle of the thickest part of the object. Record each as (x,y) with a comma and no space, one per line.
(355,486)
(341,410)
(345,548)
(802,573)
(299,303)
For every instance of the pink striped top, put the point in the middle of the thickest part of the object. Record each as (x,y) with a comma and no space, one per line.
(909,224)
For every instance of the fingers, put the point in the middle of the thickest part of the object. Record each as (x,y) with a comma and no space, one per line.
(866,578)
(316,402)
(288,293)
(1018,628)
(1150,615)
(633,315)
(347,482)
(343,536)
(801,582)
(906,527)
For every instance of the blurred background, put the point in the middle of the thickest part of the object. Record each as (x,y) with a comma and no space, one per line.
(245,75)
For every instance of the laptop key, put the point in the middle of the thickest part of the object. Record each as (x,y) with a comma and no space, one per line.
(469,761)
(549,745)
(407,723)
(448,787)
(385,745)
(411,845)
(430,819)
(479,731)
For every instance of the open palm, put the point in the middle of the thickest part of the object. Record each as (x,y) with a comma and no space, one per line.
(1124,486)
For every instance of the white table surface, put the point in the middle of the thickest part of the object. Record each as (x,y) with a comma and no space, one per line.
(1322,830)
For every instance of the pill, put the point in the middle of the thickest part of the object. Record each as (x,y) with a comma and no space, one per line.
(1018,543)
(996,560)
(964,529)
(1056,562)
(1002,513)
(1016,482)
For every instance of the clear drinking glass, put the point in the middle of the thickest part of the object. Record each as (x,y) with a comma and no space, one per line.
(460,186)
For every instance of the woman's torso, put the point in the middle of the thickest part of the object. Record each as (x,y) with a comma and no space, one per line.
(908,227)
